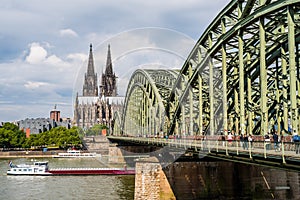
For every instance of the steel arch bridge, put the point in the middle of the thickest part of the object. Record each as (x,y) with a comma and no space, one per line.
(242,75)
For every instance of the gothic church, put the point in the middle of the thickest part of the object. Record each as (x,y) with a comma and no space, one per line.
(95,107)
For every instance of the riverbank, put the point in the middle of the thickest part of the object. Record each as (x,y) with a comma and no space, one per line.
(27,154)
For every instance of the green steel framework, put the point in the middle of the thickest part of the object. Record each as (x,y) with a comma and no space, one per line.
(242,75)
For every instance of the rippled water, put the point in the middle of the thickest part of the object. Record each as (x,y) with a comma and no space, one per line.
(65,187)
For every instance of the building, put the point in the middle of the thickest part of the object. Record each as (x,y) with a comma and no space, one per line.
(39,125)
(55,114)
(97,108)
(108,88)
(90,85)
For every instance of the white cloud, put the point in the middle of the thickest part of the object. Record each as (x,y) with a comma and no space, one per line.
(34,85)
(47,72)
(37,54)
(54,61)
(68,33)
(79,57)
(40,80)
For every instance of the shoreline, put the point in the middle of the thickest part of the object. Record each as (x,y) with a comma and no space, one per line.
(27,154)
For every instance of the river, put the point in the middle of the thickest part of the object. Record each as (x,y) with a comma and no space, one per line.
(64,187)
(196,180)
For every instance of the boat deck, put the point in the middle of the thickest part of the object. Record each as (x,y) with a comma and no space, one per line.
(92,171)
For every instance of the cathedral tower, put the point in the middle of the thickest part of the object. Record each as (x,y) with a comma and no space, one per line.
(92,108)
(90,85)
(109,82)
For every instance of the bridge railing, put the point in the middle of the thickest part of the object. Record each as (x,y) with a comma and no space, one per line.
(265,149)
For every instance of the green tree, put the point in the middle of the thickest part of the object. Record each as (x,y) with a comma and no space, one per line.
(96,129)
(11,136)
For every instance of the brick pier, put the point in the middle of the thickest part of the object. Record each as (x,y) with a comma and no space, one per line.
(150,181)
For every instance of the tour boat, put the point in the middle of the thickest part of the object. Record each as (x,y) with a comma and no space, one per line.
(75,154)
(41,169)
(37,168)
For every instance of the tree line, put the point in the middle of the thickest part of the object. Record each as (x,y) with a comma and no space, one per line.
(61,137)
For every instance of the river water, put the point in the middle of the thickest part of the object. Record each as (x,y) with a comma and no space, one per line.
(195,180)
(64,187)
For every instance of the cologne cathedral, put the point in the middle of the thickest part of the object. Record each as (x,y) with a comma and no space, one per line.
(98,102)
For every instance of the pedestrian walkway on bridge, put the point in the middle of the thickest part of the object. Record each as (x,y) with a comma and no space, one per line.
(261,152)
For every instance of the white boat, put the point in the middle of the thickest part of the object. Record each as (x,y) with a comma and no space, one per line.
(75,154)
(37,168)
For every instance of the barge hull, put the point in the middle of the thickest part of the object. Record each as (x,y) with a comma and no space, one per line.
(56,172)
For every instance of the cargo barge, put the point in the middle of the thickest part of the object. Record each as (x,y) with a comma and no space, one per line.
(42,169)
(92,171)
(76,154)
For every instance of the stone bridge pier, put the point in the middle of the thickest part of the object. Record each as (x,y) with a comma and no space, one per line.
(212,179)
(122,154)
(191,177)
(150,181)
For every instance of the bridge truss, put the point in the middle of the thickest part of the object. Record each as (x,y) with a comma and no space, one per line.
(242,75)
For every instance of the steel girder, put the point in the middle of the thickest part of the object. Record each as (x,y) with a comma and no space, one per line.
(243,72)
(116,124)
(144,108)
(242,75)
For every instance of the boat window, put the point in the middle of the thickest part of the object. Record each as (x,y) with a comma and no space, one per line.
(25,170)
(15,170)
(20,170)
(40,170)
(30,170)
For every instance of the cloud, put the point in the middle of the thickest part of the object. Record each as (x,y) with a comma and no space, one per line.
(55,38)
(33,85)
(80,57)
(37,54)
(68,33)
(38,81)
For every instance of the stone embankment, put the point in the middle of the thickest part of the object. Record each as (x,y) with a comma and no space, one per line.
(150,181)
(98,144)
(26,154)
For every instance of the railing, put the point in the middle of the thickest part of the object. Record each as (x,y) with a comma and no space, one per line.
(235,147)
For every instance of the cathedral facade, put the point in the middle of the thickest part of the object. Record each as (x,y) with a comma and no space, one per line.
(93,107)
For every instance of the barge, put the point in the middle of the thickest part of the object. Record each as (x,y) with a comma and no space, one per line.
(76,154)
(92,171)
(42,169)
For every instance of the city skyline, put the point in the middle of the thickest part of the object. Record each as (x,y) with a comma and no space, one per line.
(45,45)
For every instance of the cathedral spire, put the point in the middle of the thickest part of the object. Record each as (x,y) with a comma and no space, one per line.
(109,68)
(90,85)
(109,82)
(90,70)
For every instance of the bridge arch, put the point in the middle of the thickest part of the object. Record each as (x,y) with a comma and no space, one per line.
(144,108)
(242,75)
(239,73)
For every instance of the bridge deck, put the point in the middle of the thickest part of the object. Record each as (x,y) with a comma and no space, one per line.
(284,157)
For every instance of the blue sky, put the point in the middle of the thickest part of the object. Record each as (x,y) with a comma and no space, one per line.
(45,45)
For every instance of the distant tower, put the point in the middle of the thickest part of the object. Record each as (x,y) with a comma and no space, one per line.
(55,114)
(90,85)
(92,108)
(109,82)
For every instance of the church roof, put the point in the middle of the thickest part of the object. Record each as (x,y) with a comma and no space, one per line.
(87,99)
(114,100)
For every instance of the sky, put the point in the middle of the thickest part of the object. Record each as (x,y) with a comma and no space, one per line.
(45,46)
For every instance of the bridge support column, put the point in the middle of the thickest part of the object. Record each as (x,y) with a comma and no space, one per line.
(115,155)
(263,79)
(150,181)
(293,72)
